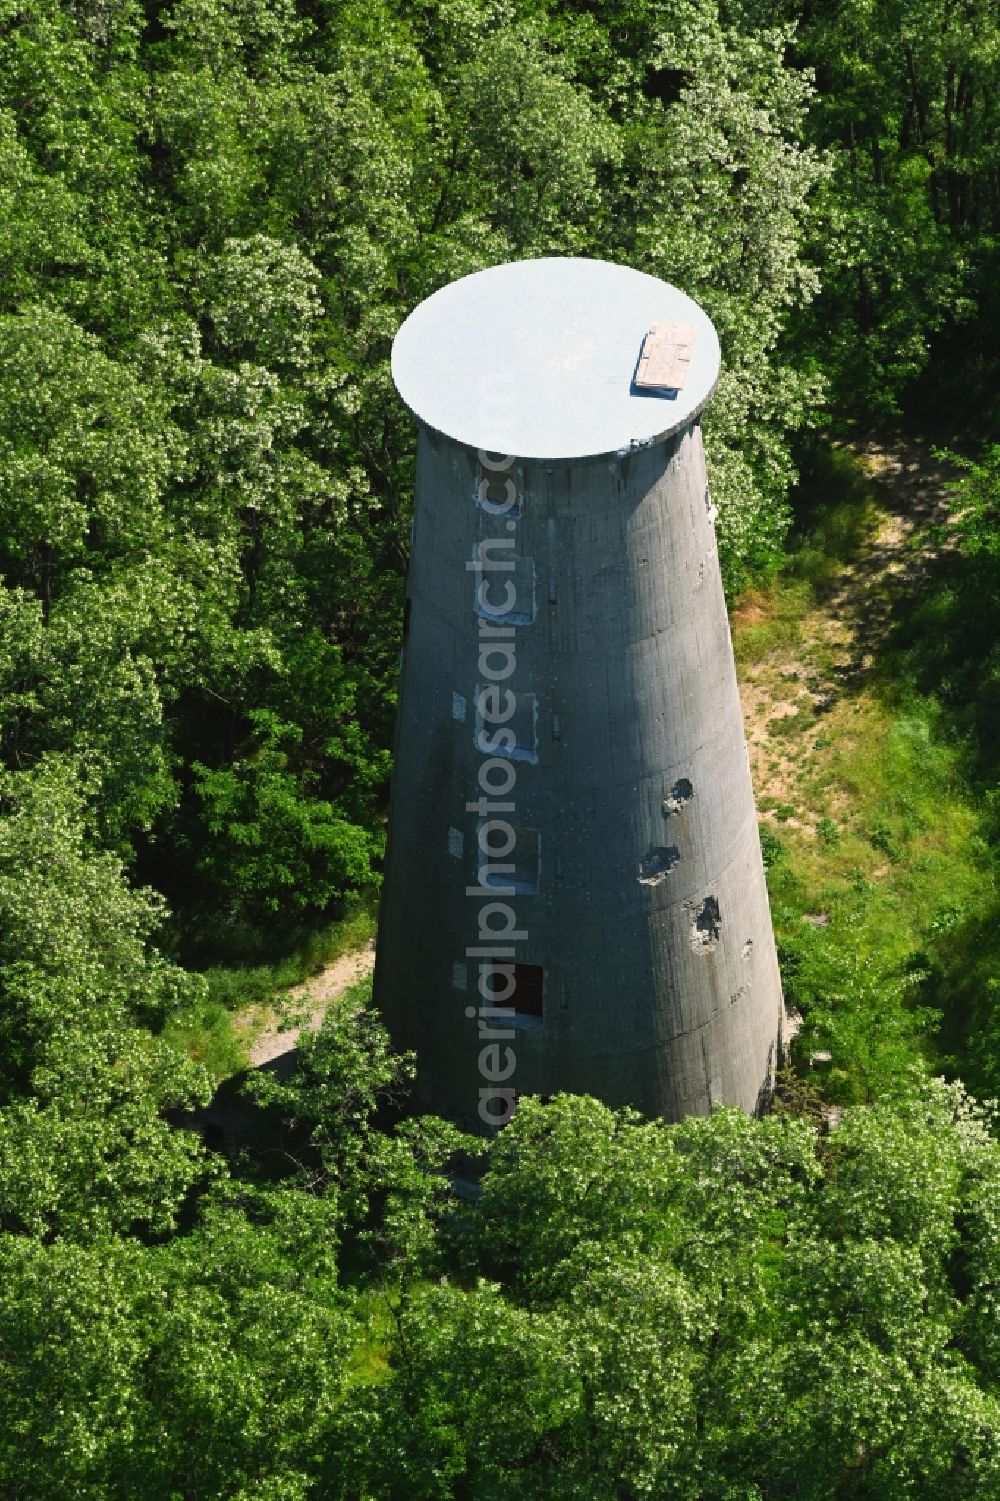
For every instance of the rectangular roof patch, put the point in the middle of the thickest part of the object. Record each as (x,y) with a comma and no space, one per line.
(666,356)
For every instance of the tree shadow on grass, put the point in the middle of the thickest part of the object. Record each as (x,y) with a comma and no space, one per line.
(942,640)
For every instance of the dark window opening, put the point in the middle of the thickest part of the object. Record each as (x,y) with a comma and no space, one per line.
(524,1000)
(407,605)
(528,988)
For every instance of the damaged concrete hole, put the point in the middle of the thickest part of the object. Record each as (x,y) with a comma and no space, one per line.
(747,950)
(658,864)
(681,793)
(707,925)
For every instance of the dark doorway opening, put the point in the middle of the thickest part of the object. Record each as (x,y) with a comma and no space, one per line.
(528,990)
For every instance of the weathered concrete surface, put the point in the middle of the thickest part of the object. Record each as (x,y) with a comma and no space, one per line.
(650,918)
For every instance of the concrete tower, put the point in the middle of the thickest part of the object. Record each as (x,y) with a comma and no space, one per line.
(574,895)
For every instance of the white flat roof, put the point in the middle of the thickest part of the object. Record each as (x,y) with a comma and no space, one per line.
(537,359)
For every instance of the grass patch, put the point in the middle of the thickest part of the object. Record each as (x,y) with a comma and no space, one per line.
(239,1001)
(236,987)
(206,1034)
(896,828)
(836,515)
(375,1310)
(880,875)
(885,845)
(764,620)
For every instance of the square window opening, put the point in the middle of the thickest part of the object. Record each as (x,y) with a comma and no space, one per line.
(518,869)
(529,987)
(503,584)
(527,997)
(507,724)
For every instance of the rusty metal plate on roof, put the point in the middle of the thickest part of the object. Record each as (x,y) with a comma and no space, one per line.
(666,356)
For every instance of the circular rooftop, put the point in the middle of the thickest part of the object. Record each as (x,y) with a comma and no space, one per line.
(539,358)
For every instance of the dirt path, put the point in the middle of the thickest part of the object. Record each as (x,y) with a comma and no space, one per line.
(832,647)
(269,1032)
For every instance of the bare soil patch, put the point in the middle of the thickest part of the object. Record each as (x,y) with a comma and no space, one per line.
(269,1032)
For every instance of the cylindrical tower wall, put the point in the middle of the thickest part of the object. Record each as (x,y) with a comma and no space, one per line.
(638,882)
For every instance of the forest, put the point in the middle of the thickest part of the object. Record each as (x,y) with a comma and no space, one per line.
(214,215)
